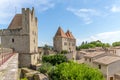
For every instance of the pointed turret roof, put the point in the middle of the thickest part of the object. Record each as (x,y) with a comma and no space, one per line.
(60,33)
(16,22)
(69,34)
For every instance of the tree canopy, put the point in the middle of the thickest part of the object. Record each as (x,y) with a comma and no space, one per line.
(114,44)
(74,71)
(93,44)
(54,59)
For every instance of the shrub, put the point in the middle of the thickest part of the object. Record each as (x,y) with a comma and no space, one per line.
(54,59)
(24,79)
(74,71)
(45,68)
(64,52)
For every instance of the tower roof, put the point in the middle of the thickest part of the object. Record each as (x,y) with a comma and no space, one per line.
(69,35)
(16,22)
(60,33)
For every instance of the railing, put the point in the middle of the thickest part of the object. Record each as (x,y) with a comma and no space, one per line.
(4,57)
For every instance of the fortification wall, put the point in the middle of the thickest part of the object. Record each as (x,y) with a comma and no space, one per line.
(17,43)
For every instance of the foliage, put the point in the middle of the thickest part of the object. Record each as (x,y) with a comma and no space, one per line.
(46,47)
(93,44)
(54,59)
(64,52)
(45,68)
(74,71)
(116,44)
(24,79)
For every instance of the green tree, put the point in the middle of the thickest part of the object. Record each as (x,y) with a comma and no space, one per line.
(114,44)
(74,71)
(54,59)
(93,44)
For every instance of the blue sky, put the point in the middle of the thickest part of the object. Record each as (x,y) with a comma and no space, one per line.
(88,20)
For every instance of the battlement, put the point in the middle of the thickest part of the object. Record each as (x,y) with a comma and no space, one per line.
(10,32)
(30,13)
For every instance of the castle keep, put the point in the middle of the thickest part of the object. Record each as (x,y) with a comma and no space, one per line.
(22,37)
(64,41)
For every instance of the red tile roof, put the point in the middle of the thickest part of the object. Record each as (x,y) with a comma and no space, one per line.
(60,33)
(69,35)
(16,22)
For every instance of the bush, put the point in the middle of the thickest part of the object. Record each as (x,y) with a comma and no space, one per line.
(64,52)
(74,71)
(45,68)
(116,44)
(93,44)
(24,79)
(54,59)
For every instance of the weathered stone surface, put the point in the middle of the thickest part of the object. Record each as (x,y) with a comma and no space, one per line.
(40,77)
(22,37)
(9,70)
(64,41)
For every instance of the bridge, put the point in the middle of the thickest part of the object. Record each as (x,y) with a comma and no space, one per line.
(8,64)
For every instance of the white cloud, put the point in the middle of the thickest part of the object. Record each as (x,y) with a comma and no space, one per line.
(45,43)
(8,8)
(43,5)
(107,37)
(115,8)
(85,14)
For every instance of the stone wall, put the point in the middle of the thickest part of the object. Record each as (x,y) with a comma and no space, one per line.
(9,70)
(23,39)
(64,44)
(17,43)
(28,59)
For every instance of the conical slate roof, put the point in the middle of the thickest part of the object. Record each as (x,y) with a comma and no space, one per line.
(60,33)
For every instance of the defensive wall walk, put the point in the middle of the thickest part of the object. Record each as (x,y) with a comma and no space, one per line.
(9,68)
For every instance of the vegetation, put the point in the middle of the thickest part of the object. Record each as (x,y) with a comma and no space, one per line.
(24,79)
(54,59)
(114,44)
(74,71)
(64,52)
(45,68)
(92,44)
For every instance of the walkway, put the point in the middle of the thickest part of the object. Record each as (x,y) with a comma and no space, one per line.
(9,70)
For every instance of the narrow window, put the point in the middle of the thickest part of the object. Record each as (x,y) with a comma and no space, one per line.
(99,66)
(13,40)
(85,59)
(90,60)
(111,78)
(65,43)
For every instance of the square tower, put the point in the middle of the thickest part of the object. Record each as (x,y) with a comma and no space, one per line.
(64,41)
(22,37)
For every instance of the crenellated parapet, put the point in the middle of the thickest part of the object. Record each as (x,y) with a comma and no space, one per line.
(8,32)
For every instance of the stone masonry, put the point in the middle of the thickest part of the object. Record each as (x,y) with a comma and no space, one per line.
(64,41)
(22,37)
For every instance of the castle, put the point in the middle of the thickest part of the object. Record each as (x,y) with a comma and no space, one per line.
(22,37)
(64,41)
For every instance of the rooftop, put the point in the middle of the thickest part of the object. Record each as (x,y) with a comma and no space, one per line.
(94,54)
(107,60)
(16,23)
(60,33)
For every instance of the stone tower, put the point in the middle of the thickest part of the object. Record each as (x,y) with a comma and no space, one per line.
(22,37)
(64,41)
